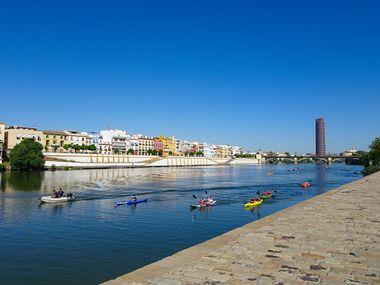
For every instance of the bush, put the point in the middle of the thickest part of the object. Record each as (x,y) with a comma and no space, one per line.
(2,167)
(27,155)
(370,169)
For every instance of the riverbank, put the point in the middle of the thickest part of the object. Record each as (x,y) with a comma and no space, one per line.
(329,239)
(97,161)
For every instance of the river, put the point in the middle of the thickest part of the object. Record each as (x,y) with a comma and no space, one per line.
(89,240)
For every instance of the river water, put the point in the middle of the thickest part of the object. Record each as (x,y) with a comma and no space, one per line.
(89,241)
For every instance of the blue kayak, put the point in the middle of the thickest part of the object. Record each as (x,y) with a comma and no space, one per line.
(130,202)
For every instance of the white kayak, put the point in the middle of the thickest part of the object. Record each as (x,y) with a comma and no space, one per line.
(203,206)
(49,199)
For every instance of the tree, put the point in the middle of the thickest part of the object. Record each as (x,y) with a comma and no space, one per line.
(91,147)
(67,146)
(160,152)
(130,151)
(373,158)
(199,153)
(27,155)
(83,147)
(76,147)
(374,152)
(116,151)
(154,152)
(170,153)
(149,152)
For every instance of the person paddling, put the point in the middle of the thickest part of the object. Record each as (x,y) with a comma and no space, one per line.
(202,202)
(134,198)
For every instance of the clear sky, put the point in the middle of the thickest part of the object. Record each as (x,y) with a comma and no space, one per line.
(249,73)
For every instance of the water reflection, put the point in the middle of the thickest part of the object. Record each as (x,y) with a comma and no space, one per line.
(22,180)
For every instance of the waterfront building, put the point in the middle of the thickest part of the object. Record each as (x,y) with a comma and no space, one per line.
(208,150)
(94,138)
(112,140)
(169,144)
(236,150)
(145,144)
(349,152)
(53,141)
(320,139)
(15,134)
(223,151)
(74,137)
(158,145)
(2,137)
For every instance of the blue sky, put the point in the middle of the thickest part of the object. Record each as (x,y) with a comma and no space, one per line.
(250,73)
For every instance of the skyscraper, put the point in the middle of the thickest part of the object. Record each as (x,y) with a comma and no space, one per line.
(320,139)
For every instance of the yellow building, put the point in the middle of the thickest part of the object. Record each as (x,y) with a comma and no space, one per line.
(14,135)
(223,151)
(169,145)
(53,141)
(2,137)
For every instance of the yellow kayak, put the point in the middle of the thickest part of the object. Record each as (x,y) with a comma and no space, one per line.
(256,203)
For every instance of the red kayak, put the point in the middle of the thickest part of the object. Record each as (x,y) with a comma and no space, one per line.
(305,184)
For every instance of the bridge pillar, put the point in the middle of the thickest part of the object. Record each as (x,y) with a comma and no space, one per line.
(296,160)
(329,160)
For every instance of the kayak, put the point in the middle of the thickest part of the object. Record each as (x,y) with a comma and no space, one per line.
(130,202)
(305,184)
(256,203)
(269,173)
(203,206)
(265,196)
(49,199)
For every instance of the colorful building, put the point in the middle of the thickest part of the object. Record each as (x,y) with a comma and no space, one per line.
(169,145)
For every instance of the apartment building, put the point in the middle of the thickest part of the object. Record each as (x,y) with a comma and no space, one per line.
(15,134)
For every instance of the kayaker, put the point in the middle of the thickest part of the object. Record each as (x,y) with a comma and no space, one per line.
(60,193)
(209,200)
(202,202)
(55,194)
(134,198)
(252,200)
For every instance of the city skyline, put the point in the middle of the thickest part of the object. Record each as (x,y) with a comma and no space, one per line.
(255,75)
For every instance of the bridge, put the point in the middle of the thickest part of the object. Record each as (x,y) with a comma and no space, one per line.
(328,159)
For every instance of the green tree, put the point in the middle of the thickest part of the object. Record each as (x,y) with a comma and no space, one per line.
(374,152)
(27,155)
(199,153)
(67,146)
(373,164)
(149,152)
(160,152)
(170,153)
(83,147)
(91,147)
(116,151)
(130,151)
(154,152)
(75,147)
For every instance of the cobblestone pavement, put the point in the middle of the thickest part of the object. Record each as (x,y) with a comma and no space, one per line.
(330,239)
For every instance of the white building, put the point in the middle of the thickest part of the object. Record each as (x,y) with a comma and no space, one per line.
(112,140)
